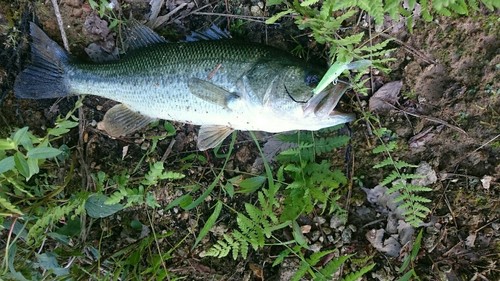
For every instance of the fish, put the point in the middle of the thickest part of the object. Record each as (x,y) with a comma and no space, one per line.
(222,85)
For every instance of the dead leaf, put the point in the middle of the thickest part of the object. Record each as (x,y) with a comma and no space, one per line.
(385,96)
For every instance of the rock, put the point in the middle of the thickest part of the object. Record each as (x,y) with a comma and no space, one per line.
(429,175)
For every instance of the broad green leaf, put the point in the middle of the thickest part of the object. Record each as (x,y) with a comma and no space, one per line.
(208,225)
(96,207)
(43,152)
(7,144)
(33,166)
(298,236)
(7,164)
(251,184)
(19,135)
(22,165)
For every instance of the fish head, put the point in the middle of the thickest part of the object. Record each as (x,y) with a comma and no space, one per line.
(292,97)
(298,82)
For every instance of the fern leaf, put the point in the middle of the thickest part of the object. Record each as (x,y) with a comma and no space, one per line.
(9,206)
(333,266)
(392,8)
(301,271)
(383,163)
(308,3)
(390,178)
(357,275)
(375,8)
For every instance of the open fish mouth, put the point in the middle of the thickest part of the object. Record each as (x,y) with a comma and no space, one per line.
(323,103)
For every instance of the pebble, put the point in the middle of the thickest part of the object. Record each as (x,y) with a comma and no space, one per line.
(316,247)
(256,11)
(336,222)
(319,220)
(315,235)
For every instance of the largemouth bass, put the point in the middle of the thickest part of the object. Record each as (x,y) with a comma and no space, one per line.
(222,85)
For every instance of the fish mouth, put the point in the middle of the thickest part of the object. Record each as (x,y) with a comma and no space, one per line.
(323,104)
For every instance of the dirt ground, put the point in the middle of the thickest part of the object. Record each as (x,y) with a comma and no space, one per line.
(448,116)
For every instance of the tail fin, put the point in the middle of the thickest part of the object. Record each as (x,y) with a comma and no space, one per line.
(46,76)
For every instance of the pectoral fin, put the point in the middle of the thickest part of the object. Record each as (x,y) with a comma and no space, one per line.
(121,121)
(210,92)
(211,136)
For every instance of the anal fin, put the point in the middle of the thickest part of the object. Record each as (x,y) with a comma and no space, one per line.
(212,135)
(121,120)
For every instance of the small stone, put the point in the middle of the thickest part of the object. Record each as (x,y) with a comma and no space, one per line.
(346,236)
(316,247)
(319,220)
(315,235)
(336,222)
(256,11)
(305,229)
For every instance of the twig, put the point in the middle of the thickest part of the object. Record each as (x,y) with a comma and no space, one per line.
(249,18)
(430,118)
(60,24)
(409,48)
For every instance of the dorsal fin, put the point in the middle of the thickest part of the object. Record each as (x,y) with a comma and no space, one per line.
(211,33)
(139,36)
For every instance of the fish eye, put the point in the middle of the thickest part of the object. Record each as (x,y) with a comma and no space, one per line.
(311,80)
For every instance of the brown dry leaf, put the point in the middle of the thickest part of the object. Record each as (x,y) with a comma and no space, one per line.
(257,271)
(386,96)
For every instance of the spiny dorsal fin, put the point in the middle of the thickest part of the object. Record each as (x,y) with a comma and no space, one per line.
(211,33)
(121,121)
(212,135)
(139,36)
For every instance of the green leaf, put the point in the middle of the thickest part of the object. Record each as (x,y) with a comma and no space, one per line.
(33,166)
(279,15)
(96,207)
(20,135)
(308,3)
(208,225)
(43,152)
(298,236)
(22,165)
(7,164)
(9,206)
(7,144)
(250,185)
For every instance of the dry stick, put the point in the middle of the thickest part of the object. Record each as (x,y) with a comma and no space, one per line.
(249,18)
(60,24)
(409,48)
(430,118)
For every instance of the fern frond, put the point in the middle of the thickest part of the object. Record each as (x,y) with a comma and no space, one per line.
(333,266)
(9,206)
(390,178)
(374,8)
(353,276)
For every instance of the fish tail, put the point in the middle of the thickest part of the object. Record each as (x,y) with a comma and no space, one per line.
(46,76)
